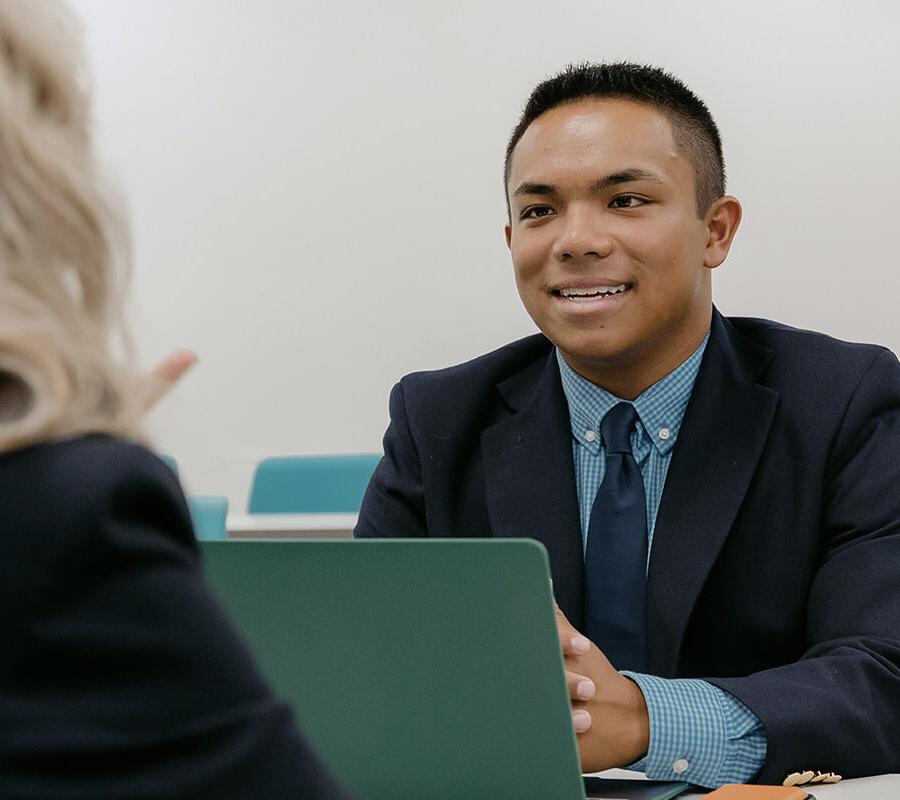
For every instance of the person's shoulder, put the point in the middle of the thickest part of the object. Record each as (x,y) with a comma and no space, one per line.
(810,351)
(818,375)
(484,371)
(83,466)
(60,485)
(73,509)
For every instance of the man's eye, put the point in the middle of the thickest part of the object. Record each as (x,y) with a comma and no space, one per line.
(536,211)
(626,201)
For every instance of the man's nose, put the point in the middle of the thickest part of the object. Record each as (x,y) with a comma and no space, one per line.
(582,236)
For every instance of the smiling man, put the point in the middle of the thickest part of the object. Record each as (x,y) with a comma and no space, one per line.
(718,497)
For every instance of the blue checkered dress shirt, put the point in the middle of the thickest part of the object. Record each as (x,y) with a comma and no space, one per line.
(698,732)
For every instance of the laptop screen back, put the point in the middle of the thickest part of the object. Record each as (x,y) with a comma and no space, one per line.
(425,669)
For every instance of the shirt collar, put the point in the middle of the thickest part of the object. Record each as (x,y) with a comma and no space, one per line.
(660,407)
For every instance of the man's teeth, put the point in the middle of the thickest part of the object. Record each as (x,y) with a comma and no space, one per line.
(594,291)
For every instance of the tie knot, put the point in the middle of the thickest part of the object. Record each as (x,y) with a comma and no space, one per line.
(616,427)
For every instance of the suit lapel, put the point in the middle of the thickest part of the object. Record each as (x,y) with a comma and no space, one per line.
(719,445)
(530,477)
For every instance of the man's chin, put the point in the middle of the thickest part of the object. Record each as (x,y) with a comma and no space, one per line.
(596,359)
(601,349)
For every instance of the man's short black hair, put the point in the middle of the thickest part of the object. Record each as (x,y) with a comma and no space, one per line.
(693,127)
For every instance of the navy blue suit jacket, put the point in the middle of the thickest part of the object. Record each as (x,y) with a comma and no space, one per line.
(775,567)
(120,676)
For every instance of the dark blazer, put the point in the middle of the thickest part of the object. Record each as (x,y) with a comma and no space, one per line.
(120,677)
(775,566)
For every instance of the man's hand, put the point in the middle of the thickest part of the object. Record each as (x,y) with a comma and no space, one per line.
(165,375)
(608,709)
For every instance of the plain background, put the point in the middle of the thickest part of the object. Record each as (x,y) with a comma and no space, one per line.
(317,206)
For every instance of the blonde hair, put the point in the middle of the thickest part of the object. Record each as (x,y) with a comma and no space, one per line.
(60,243)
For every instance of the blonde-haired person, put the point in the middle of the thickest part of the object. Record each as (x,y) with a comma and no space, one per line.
(119,675)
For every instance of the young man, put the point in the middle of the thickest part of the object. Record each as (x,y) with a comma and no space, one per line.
(718,496)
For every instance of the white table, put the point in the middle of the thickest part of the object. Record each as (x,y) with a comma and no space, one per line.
(290,526)
(878,787)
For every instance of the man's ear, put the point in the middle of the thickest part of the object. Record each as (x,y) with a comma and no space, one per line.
(722,221)
(508,231)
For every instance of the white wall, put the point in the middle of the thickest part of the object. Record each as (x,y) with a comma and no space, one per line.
(317,204)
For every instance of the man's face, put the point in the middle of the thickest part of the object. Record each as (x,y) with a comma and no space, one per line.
(605,237)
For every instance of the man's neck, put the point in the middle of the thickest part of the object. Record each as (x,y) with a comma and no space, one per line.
(632,374)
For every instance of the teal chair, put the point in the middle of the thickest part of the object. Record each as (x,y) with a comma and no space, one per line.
(313,484)
(208,513)
(170,462)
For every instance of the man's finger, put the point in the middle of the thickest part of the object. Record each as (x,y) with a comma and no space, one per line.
(581,720)
(572,642)
(561,618)
(576,645)
(580,687)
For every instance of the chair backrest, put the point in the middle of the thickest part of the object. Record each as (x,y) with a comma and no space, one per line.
(315,484)
(208,513)
(170,462)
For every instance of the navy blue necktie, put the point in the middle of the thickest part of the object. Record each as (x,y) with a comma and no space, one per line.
(616,557)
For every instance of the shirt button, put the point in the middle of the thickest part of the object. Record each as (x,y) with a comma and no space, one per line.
(664,433)
(680,766)
(590,435)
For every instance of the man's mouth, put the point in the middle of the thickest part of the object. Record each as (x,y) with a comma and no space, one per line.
(592,293)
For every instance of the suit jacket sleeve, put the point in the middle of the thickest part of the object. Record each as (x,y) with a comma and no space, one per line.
(394,503)
(838,707)
(121,676)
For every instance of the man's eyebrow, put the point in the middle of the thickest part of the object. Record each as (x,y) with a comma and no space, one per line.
(534,188)
(625,176)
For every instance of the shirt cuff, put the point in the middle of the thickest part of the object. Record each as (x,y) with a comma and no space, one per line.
(698,733)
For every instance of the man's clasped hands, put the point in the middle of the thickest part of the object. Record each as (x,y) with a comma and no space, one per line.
(608,710)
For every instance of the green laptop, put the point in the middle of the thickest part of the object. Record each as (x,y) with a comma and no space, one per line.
(419,669)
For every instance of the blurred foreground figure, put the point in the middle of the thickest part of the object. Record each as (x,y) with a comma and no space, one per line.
(120,676)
